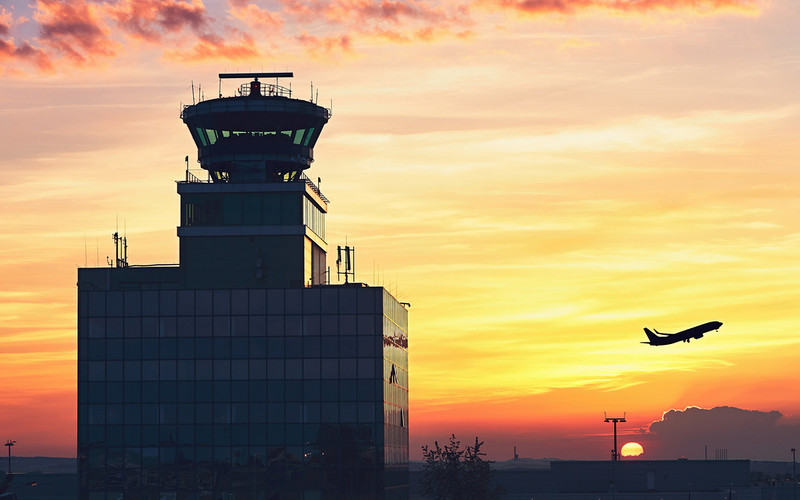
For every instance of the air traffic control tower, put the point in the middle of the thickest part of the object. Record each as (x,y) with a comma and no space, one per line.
(242,373)
(261,220)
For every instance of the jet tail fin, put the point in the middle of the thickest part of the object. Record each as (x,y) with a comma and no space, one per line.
(651,336)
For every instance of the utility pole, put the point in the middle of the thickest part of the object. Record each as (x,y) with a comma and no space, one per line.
(9,443)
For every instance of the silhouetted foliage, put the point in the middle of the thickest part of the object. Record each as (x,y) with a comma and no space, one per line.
(453,473)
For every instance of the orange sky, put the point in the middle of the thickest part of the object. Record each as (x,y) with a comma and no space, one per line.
(539,179)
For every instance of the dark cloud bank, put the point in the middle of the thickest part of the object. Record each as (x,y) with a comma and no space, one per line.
(752,434)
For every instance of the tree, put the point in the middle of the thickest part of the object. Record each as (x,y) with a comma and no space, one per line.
(453,473)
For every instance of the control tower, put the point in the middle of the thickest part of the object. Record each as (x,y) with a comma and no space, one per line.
(257,220)
(242,372)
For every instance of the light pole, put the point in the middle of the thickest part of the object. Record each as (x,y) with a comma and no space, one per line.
(794,473)
(9,443)
(614,453)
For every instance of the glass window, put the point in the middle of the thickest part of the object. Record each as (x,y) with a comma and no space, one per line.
(97,371)
(168,301)
(186,369)
(293,325)
(275,369)
(275,303)
(294,301)
(168,369)
(114,371)
(133,370)
(275,326)
(258,369)
(330,368)
(150,303)
(294,369)
(348,345)
(222,369)
(114,327)
(149,370)
(133,327)
(222,326)
(167,327)
(200,134)
(97,304)
(239,369)
(133,303)
(330,412)
(347,368)
(308,136)
(311,368)
(239,326)
(258,347)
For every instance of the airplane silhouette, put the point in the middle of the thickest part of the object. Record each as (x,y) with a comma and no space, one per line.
(694,332)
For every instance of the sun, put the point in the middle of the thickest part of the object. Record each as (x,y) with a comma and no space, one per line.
(631,450)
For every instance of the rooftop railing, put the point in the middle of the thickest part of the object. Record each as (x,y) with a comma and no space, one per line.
(191,178)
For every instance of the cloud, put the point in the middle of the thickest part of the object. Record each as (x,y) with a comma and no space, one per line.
(321,47)
(25,52)
(744,434)
(83,32)
(210,46)
(254,16)
(75,29)
(151,19)
(389,20)
(570,7)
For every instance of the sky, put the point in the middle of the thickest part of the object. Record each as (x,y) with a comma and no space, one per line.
(540,179)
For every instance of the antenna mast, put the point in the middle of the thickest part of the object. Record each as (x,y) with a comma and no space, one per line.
(349,262)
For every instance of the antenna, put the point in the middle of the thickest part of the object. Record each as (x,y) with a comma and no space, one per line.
(193,101)
(349,262)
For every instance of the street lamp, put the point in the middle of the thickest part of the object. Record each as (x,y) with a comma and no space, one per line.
(9,443)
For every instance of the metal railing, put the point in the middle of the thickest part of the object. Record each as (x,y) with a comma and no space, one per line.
(193,179)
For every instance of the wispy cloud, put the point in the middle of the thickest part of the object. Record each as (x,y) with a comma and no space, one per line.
(83,33)
(210,47)
(570,7)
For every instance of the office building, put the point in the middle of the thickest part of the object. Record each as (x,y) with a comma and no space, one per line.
(242,372)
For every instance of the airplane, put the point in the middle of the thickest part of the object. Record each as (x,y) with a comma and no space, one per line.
(694,332)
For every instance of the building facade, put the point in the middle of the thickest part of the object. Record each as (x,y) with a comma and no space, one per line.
(241,373)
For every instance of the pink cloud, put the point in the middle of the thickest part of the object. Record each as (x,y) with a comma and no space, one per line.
(150,19)
(26,53)
(324,46)
(391,20)
(210,46)
(73,28)
(641,6)
(254,16)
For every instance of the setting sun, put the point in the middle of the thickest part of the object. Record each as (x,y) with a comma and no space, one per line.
(631,450)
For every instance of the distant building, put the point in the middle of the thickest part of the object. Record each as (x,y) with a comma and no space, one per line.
(626,480)
(242,373)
